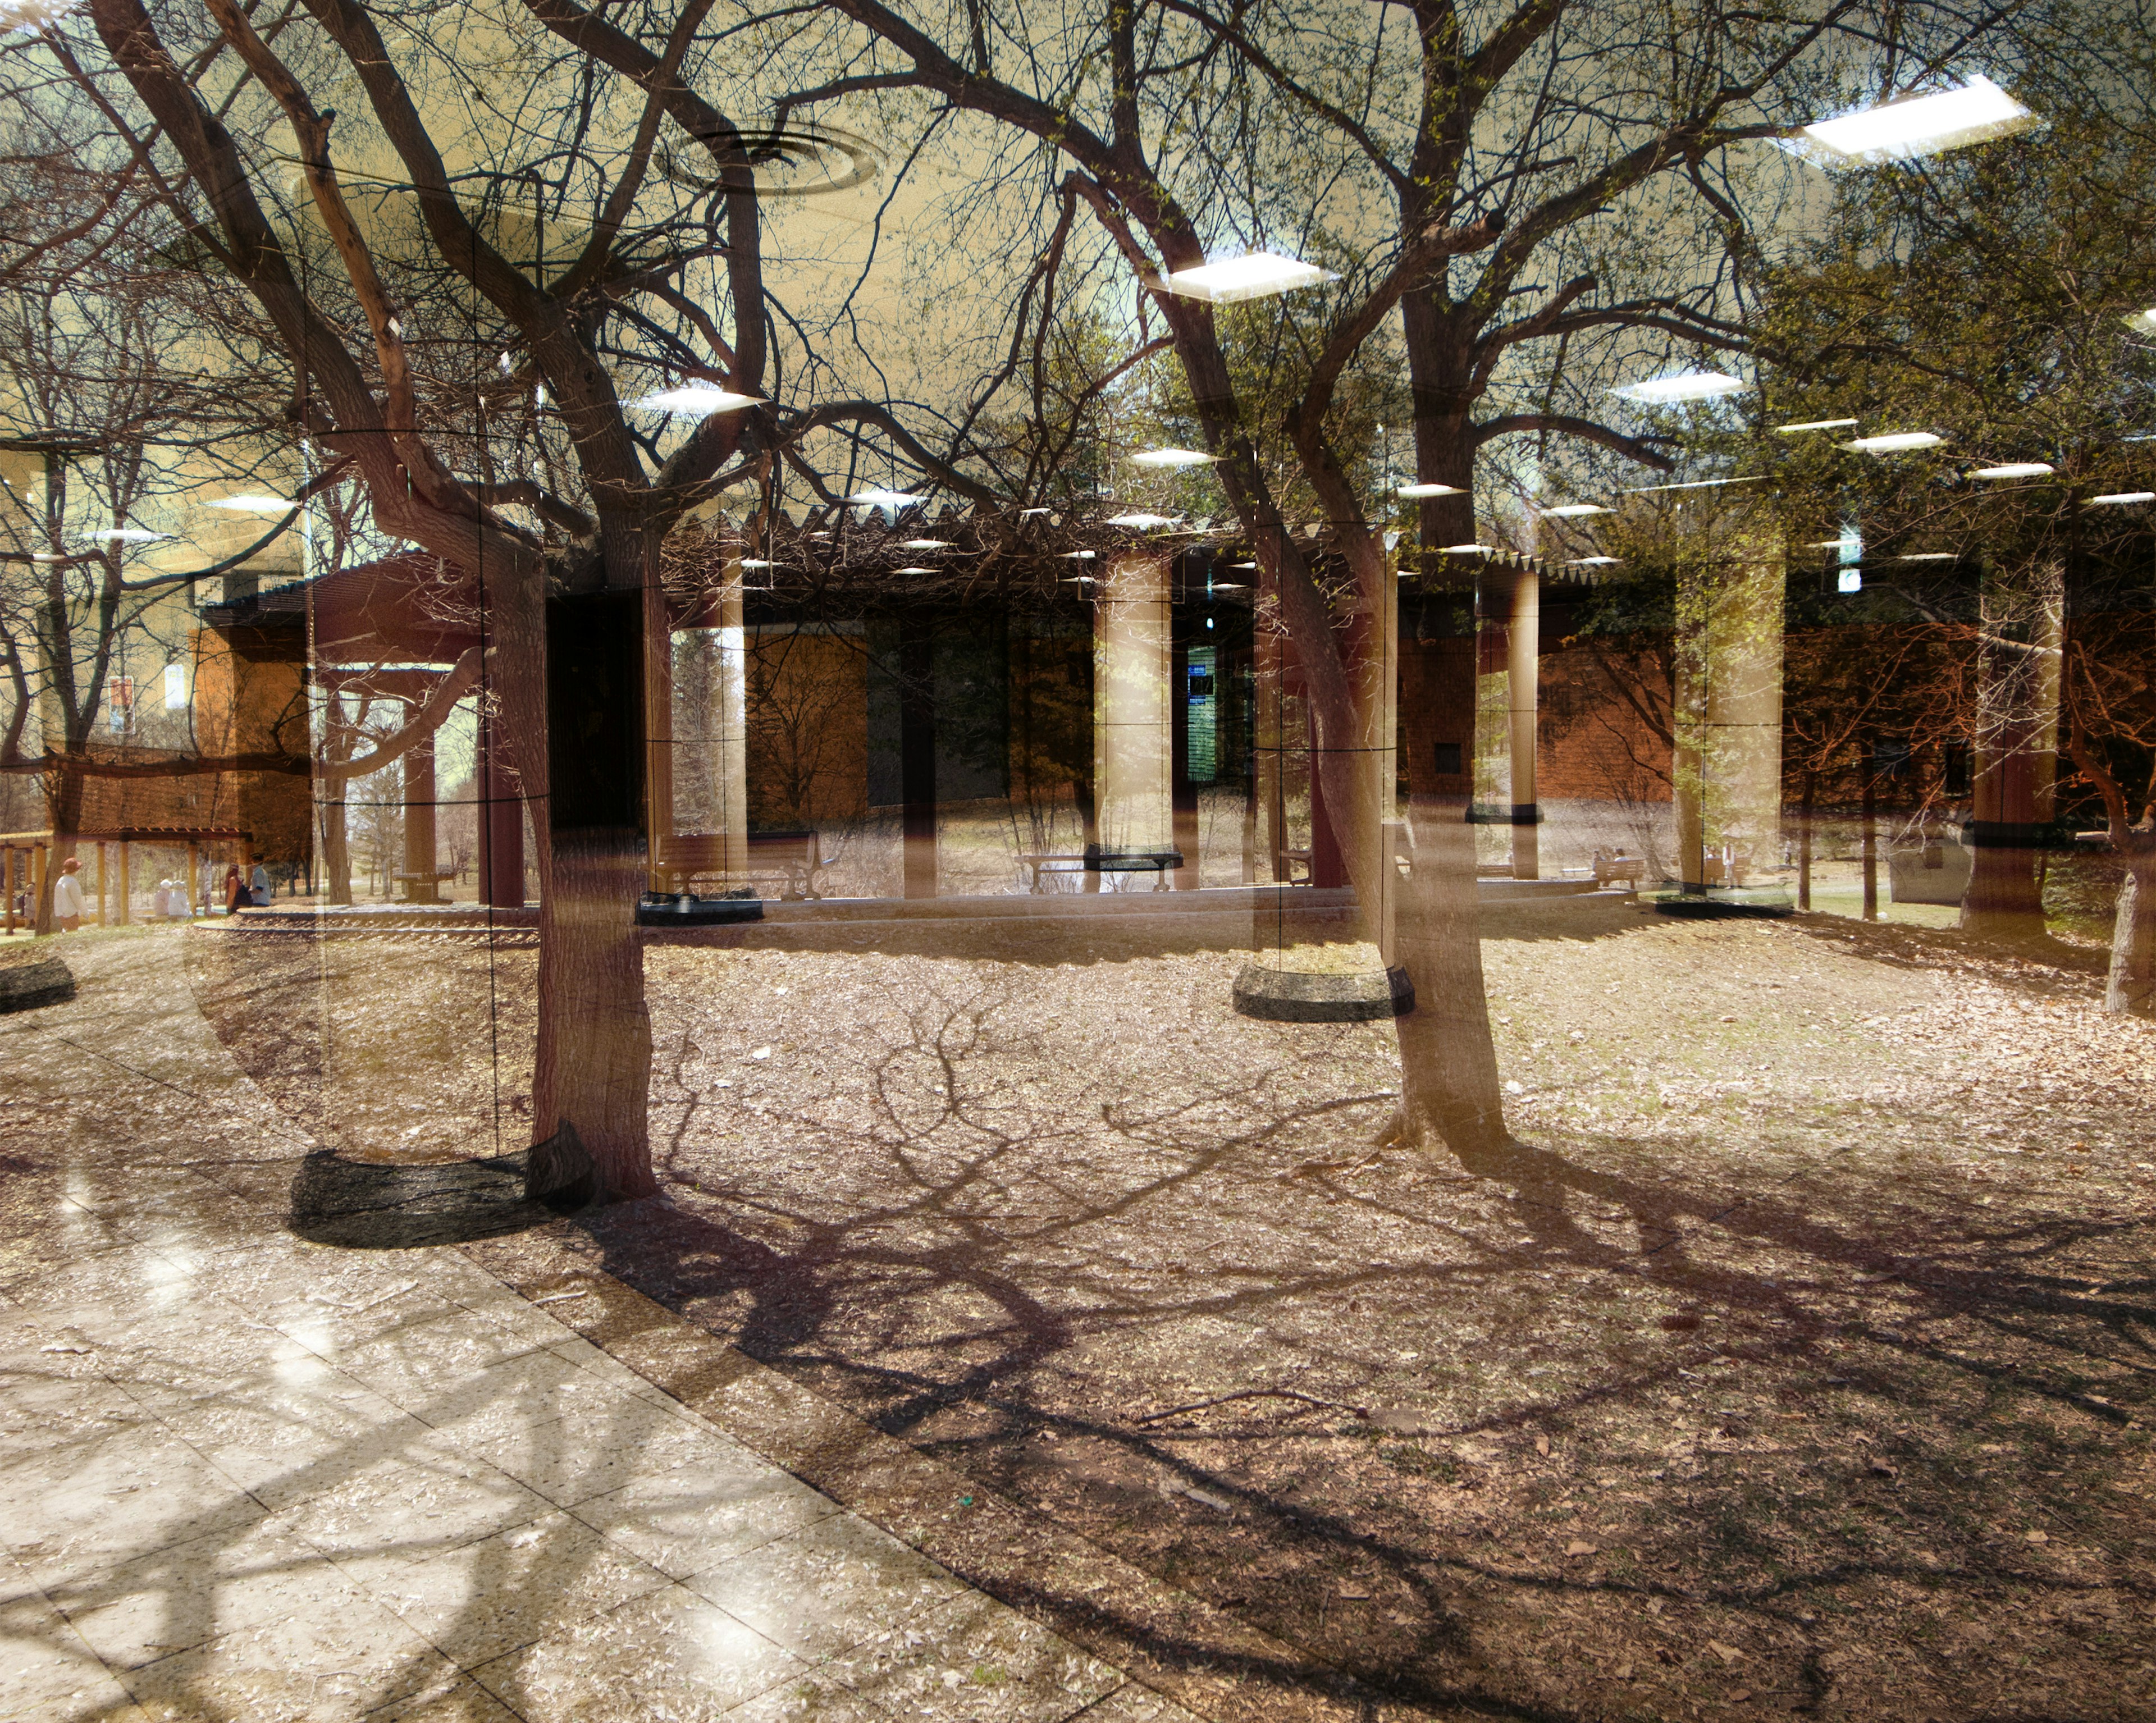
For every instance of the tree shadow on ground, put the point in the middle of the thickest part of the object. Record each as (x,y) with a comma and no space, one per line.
(359,1205)
(1418,1422)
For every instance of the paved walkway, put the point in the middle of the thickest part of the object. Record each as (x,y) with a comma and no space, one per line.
(243,1476)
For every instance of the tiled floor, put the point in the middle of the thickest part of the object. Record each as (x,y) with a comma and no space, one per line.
(243,1476)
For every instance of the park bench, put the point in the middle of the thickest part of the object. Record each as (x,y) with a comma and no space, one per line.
(1051,864)
(793,857)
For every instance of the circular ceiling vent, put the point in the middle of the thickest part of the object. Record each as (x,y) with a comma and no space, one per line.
(792,162)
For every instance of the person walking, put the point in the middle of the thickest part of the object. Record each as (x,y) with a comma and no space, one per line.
(68,905)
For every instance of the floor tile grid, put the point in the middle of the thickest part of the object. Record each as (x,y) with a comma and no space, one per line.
(880,1668)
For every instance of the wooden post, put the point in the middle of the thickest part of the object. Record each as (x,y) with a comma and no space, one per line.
(420,885)
(100,882)
(38,863)
(7,880)
(122,921)
(194,878)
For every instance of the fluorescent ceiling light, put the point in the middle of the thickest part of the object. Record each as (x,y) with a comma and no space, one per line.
(127,536)
(1691,484)
(1413,491)
(884,499)
(757,563)
(912,570)
(1230,586)
(924,544)
(1847,541)
(2127,496)
(1814,425)
(1573,511)
(21,17)
(1144,523)
(699,399)
(1253,566)
(1172,457)
(1593,561)
(1684,386)
(2014,470)
(1079,555)
(1467,550)
(1023,513)
(1927,556)
(1894,442)
(1912,125)
(254,502)
(1259,275)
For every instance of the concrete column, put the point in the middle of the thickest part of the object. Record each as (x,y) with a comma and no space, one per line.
(1268,792)
(659,823)
(2048,638)
(420,886)
(1523,673)
(730,758)
(1183,792)
(1728,764)
(1132,747)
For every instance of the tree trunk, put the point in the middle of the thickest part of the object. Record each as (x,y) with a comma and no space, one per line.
(2130,988)
(1804,847)
(1870,844)
(581,681)
(594,1069)
(64,811)
(1450,1089)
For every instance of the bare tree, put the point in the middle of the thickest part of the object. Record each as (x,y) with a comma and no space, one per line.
(1480,163)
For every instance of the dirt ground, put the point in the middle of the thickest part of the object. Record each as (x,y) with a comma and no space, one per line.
(1804,1366)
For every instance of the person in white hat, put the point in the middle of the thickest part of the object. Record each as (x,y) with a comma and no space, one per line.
(67,905)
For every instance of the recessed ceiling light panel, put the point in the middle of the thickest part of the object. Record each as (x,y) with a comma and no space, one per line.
(696,401)
(1259,275)
(1895,441)
(1684,386)
(1909,126)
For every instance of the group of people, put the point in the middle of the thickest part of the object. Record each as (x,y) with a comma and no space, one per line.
(171,901)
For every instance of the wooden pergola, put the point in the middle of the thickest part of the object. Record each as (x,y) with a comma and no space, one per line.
(36,849)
